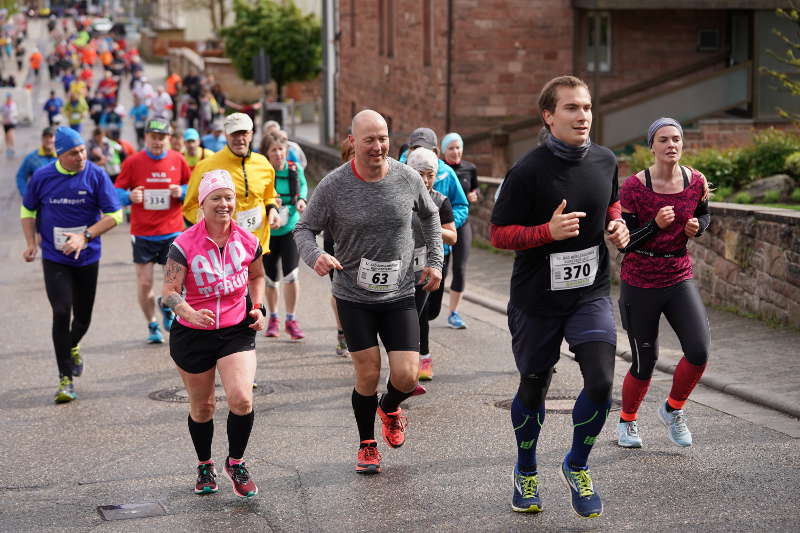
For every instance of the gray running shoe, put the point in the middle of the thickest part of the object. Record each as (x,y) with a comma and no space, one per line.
(677,431)
(628,435)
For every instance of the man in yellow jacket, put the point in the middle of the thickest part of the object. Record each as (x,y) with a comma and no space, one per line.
(254,177)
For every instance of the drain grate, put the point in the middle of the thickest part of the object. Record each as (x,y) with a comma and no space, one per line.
(179,394)
(126,511)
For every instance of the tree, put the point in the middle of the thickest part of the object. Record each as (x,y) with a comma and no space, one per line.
(291,40)
(789,79)
(217,10)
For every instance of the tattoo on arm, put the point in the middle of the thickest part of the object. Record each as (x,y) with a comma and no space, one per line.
(172,270)
(173,300)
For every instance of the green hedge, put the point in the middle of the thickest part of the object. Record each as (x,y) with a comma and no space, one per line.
(772,152)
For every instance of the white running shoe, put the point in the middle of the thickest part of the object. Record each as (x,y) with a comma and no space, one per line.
(628,435)
(677,431)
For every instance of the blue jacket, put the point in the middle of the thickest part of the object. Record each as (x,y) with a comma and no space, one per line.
(53,106)
(32,162)
(214,143)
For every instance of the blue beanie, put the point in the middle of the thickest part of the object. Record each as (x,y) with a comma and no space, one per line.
(67,139)
(658,124)
(450,137)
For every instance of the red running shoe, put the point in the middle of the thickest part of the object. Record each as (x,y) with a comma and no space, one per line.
(273,327)
(243,485)
(206,479)
(368,460)
(393,426)
(294,330)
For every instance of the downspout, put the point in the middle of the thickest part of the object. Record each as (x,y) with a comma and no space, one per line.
(449,83)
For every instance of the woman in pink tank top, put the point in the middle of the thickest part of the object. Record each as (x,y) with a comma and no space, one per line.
(664,206)
(213,271)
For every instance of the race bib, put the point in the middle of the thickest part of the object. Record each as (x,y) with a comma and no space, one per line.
(420,257)
(156,199)
(283,215)
(76,116)
(573,270)
(379,276)
(59,239)
(250,219)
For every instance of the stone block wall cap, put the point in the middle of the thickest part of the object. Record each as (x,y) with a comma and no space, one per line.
(775,214)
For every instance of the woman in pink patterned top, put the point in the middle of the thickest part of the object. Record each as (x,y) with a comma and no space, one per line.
(664,206)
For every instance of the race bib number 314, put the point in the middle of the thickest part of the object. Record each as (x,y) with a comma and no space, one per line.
(573,270)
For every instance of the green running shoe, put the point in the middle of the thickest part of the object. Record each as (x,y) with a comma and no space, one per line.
(77,360)
(66,391)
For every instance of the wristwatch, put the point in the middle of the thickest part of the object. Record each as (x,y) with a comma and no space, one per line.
(87,235)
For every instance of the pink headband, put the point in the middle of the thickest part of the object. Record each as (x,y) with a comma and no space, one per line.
(213,180)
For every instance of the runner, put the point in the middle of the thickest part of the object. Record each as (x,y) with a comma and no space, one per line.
(446,183)
(366,206)
(53,107)
(76,110)
(70,203)
(153,182)
(254,177)
(38,158)
(553,208)
(664,205)
(216,326)
(193,152)
(425,162)
(215,140)
(10,115)
(452,151)
(290,184)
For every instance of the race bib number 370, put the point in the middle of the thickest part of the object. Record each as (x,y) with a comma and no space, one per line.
(573,270)
(379,276)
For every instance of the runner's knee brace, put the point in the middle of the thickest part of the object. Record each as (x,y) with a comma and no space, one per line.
(533,389)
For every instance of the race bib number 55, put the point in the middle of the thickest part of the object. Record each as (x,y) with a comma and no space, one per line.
(573,270)
(379,276)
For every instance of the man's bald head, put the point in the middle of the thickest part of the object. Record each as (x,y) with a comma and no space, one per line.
(370,140)
(367,119)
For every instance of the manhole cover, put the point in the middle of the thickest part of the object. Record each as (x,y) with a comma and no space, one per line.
(179,394)
(127,511)
(557,403)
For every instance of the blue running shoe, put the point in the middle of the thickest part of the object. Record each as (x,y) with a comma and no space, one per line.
(155,336)
(166,314)
(585,501)
(526,493)
(675,421)
(66,390)
(455,321)
(77,360)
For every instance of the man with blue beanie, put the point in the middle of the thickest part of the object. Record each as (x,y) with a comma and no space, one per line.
(70,202)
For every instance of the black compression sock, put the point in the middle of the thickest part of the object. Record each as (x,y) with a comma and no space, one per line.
(390,401)
(239,427)
(202,434)
(364,410)
(669,407)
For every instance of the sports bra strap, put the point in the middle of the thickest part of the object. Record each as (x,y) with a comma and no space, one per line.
(648,179)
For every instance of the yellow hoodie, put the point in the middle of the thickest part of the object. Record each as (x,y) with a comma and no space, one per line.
(252,202)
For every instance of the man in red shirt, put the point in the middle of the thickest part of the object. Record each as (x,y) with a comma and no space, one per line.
(153,182)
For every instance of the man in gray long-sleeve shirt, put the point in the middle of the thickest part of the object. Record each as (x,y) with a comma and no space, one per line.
(366,205)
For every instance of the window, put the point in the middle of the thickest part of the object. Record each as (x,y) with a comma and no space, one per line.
(381,27)
(390,16)
(352,22)
(708,41)
(598,41)
(427,32)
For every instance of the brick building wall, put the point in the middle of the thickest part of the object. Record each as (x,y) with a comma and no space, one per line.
(646,44)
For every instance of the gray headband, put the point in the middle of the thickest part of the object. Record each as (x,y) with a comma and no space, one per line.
(658,124)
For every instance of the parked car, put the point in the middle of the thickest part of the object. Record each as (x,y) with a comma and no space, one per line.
(101,25)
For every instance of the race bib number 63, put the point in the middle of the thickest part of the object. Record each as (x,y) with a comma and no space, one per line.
(573,270)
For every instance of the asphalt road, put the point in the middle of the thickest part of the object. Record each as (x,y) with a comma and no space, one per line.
(121,444)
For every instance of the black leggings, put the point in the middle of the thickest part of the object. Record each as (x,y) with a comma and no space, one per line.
(460,253)
(281,248)
(681,304)
(71,293)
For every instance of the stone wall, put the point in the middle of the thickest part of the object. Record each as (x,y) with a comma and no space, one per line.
(748,260)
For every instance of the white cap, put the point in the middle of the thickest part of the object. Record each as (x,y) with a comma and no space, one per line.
(421,159)
(238,122)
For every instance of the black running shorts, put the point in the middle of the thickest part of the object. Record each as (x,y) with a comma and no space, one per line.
(197,350)
(145,251)
(397,323)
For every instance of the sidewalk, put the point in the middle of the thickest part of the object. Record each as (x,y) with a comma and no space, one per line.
(748,359)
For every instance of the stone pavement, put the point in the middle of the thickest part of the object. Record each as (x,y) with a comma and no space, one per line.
(749,359)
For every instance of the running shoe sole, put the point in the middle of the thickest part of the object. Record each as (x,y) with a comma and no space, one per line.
(63,397)
(233,486)
(207,490)
(368,470)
